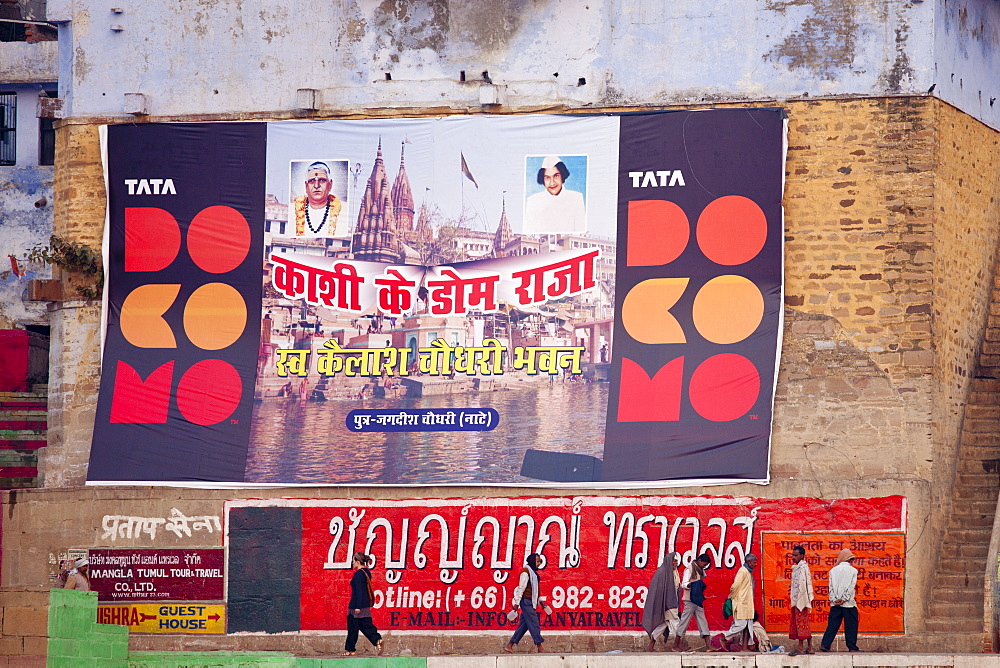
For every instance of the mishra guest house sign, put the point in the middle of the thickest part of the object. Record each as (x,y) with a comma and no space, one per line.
(591,300)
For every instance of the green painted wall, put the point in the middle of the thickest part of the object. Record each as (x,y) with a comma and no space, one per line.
(76,640)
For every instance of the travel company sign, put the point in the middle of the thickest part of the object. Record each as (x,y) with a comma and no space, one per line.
(123,574)
(453,564)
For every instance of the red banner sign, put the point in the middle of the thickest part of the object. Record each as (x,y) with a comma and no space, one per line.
(453,564)
(168,575)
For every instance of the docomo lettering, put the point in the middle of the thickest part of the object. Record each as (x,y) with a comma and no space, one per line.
(726,310)
(214,316)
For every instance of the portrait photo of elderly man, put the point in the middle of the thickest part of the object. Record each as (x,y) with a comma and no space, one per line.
(318,188)
(557,208)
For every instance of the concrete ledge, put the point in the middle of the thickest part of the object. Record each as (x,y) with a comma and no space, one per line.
(717,660)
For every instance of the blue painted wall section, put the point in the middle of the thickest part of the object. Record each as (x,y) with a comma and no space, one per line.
(25,222)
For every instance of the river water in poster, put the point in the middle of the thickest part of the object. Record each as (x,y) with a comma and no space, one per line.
(292,440)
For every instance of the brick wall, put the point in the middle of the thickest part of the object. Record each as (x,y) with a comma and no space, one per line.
(967,222)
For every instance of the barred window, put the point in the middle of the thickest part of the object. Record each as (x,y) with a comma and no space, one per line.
(8,128)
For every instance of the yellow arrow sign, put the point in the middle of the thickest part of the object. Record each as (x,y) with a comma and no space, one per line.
(165,617)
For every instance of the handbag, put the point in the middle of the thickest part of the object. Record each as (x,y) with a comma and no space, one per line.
(727,609)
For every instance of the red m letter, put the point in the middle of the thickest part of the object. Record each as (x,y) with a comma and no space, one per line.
(135,401)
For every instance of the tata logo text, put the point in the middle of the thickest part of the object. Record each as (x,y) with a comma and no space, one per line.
(150,186)
(728,308)
(214,317)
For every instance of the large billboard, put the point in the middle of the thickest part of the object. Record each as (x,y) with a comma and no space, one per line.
(592,300)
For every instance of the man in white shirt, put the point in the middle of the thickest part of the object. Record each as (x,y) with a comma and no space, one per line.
(555,210)
(800,597)
(694,600)
(843,578)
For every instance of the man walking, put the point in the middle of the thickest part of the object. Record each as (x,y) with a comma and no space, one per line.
(843,578)
(527,596)
(693,586)
(742,595)
(801,597)
(659,615)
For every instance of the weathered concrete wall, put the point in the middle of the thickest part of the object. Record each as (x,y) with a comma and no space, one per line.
(25,222)
(967,57)
(26,188)
(241,56)
(21,62)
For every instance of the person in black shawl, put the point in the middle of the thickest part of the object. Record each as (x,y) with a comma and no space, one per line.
(359,608)
(662,601)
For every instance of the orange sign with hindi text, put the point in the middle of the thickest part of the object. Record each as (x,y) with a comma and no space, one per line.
(881,562)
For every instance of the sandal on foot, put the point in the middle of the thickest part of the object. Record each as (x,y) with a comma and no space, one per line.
(379,647)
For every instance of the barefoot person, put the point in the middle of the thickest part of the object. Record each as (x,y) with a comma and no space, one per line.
(693,589)
(662,601)
(801,595)
(526,597)
(359,608)
(741,592)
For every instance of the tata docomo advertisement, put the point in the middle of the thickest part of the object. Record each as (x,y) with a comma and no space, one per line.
(586,300)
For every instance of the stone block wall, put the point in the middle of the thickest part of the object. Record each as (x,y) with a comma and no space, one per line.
(967,222)
(891,212)
(24,625)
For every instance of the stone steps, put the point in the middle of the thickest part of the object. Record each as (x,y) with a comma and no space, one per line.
(970,521)
(23,425)
(956,601)
(954,625)
(963,551)
(966,581)
(969,535)
(977,492)
(947,607)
